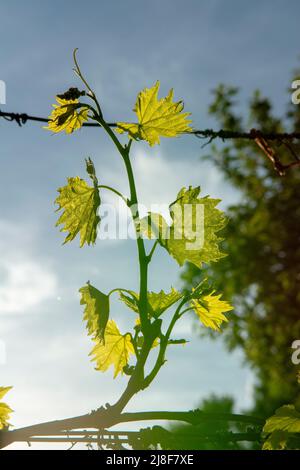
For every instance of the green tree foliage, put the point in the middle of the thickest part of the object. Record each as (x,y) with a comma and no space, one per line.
(261,274)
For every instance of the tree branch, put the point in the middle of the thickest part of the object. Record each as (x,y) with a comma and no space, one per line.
(105,418)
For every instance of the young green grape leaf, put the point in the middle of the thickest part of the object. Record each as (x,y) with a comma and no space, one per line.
(286,418)
(132,300)
(281,427)
(67,115)
(96,312)
(114,352)
(3,391)
(80,203)
(192,236)
(154,226)
(203,287)
(157,302)
(5,410)
(277,440)
(156,117)
(210,310)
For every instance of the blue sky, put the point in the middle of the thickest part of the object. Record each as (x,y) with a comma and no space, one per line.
(123,47)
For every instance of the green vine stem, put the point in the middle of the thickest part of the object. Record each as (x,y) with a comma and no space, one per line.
(151,328)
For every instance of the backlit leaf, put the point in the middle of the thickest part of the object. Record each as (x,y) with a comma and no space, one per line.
(5,410)
(286,418)
(157,302)
(96,312)
(80,203)
(192,236)
(155,227)
(132,300)
(115,352)
(156,117)
(210,310)
(67,115)
(282,428)
(277,440)
(3,391)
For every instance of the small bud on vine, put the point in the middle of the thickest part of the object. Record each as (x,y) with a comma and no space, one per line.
(71,94)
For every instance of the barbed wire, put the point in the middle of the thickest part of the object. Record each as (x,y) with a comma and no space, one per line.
(262,139)
(22,118)
(223,134)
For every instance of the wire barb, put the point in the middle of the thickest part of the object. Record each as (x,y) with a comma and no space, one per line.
(19,118)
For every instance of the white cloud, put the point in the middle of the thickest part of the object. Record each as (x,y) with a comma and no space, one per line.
(25,282)
(158,180)
(159,177)
(247,397)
